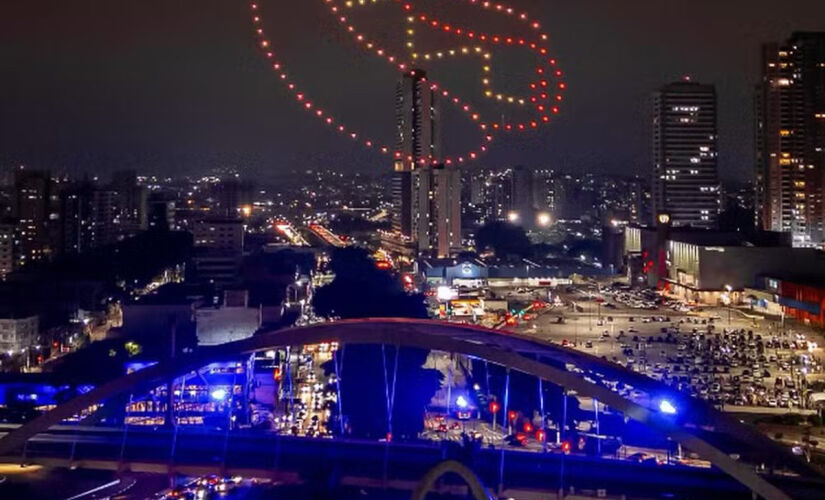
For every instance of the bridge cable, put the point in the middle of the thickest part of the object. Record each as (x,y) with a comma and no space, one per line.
(450,385)
(75,435)
(338,371)
(543,417)
(562,429)
(505,425)
(173,417)
(390,400)
(487,377)
(229,419)
(125,428)
(289,408)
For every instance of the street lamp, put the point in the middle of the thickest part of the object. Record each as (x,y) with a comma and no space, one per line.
(729,289)
(494,408)
(543,219)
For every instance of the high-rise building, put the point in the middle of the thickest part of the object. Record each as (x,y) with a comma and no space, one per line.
(218,249)
(524,196)
(8,230)
(87,218)
(417,149)
(32,206)
(161,212)
(790,139)
(445,233)
(131,211)
(685,178)
(545,194)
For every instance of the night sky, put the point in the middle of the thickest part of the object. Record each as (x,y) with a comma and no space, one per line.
(176,85)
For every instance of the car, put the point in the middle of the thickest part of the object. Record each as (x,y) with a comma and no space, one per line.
(643,458)
(517,440)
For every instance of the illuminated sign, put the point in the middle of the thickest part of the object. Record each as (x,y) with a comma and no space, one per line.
(445,293)
(664,218)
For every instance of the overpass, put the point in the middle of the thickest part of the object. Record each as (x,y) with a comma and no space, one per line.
(713,435)
(327,236)
(396,465)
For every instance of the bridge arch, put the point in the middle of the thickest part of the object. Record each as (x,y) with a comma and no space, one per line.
(516,352)
(477,490)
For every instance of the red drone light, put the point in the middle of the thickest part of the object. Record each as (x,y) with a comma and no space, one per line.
(371,44)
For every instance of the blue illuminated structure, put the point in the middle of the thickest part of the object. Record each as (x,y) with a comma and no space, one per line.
(667,407)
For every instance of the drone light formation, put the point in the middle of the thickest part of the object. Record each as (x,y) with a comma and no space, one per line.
(541,100)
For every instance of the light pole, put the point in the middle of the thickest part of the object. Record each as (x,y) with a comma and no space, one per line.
(729,289)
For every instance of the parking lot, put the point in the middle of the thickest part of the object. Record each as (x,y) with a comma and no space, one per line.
(721,355)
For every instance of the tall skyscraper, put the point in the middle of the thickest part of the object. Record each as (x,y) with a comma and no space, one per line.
(32,207)
(426,195)
(790,139)
(685,176)
(417,147)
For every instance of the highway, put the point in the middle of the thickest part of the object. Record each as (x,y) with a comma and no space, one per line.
(362,463)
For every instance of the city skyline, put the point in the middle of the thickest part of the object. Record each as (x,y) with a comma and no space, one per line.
(192,96)
(356,249)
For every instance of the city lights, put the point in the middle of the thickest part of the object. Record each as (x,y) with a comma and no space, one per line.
(543,219)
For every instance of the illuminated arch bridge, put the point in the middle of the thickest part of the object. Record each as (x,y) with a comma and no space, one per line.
(744,461)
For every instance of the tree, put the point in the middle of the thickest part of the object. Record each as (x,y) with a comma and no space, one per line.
(504,239)
(360,290)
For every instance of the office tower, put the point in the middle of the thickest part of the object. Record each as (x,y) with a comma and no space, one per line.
(685,178)
(131,215)
(32,208)
(790,139)
(417,148)
(218,249)
(87,218)
(7,234)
